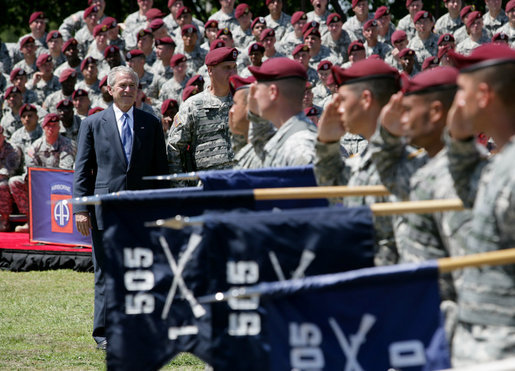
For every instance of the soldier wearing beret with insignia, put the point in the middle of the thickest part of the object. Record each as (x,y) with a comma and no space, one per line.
(407,23)
(385,27)
(277,20)
(319,14)
(55,43)
(68,79)
(44,82)
(293,37)
(9,165)
(372,43)
(476,34)
(323,88)
(450,21)
(495,17)
(486,295)
(242,34)
(225,16)
(361,14)
(425,42)
(71,53)
(337,39)
(509,27)
(190,49)
(461,33)
(363,89)
(29,132)
(85,36)
(199,138)
(172,89)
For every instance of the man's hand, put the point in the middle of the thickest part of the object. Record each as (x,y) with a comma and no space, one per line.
(252,105)
(459,127)
(37,78)
(83,223)
(390,116)
(330,125)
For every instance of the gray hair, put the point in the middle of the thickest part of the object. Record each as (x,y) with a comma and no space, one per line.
(124,70)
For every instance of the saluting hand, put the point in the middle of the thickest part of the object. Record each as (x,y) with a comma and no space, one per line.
(390,116)
(459,127)
(330,125)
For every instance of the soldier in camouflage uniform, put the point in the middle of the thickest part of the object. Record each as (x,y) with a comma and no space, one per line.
(135,22)
(51,150)
(294,37)
(28,50)
(23,138)
(10,118)
(301,55)
(371,81)
(477,35)
(172,89)
(337,39)
(242,34)
(9,164)
(277,20)
(425,43)
(322,90)
(461,33)
(5,58)
(494,18)
(44,82)
(70,123)
(165,47)
(71,53)
(450,21)
(385,26)
(361,14)
(318,51)
(18,78)
(225,16)
(190,49)
(406,23)
(75,21)
(509,28)
(199,138)
(486,295)
(319,14)
(84,36)
(68,78)
(372,44)
(419,116)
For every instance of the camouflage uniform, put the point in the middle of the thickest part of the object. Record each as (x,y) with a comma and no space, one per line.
(41,154)
(460,34)
(354,144)
(340,46)
(424,49)
(288,43)
(324,54)
(22,140)
(29,68)
(195,59)
(43,89)
(199,138)
(10,122)
(172,90)
(468,45)
(381,49)
(446,24)
(320,92)
(5,59)
(387,39)
(486,294)
(406,24)
(170,23)
(158,69)
(355,26)
(508,31)
(133,23)
(84,38)
(331,169)
(312,16)
(491,25)
(281,27)
(242,39)
(50,103)
(225,20)
(30,97)
(65,66)
(72,131)
(9,164)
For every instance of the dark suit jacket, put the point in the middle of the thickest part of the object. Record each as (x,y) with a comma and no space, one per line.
(100,164)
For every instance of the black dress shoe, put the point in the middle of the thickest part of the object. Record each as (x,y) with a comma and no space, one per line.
(102,345)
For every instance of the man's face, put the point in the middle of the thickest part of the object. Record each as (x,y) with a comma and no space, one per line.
(29,119)
(211,33)
(102,40)
(38,26)
(71,51)
(351,112)
(145,42)
(275,6)
(51,131)
(55,45)
(384,21)
(229,42)
(65,113)
(81,104)
(92,19)
(124,90)
(466,101)
(184,19)
(299,25)
(415,119)
(238,112)
(29,49)
(101,5)
(20,81)
(324,75)
(14,101)
(511,17)
(415,7)
(494,5)
(335,28)
(227,4)
(164,52)
(476,28)
(370,34)
(269,42)
(90,71)
(245,20)
(256,58)
(47,67)
(361,8)
(180,69)
(114,59)
(145,5)
(260,92)
(258,28)
(189,39)
(453,6)
(220,73)
(408,61)
(319,4)
(424,26)
(137,64)
(313,42)
(307,100)
(175,7)
(303,58)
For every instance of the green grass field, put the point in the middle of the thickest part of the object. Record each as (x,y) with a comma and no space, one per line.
(46,322)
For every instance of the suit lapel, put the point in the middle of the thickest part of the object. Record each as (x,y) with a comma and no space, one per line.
(113,135)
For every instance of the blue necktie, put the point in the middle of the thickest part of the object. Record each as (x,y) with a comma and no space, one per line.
(126,137)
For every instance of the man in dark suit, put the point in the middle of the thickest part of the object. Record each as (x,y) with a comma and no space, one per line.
(116,148)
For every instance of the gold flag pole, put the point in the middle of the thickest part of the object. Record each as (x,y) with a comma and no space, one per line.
(291,193)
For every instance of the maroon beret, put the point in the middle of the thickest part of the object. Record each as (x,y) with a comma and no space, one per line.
(86,61)
(54,34)
(446,37)
(111,49)
(381,11)
(430,62)
(183,10)
(26,40)
(212,23)
(27,107)
(399,35)
(406,52)
(442,51)
(466,10)
(144,32)
(224,31)
(370,23)
(278,68)
(308,25)
(189,91)
(333,18)
(311,111)
(431,80)
(312,31)
(483,56)
(79,93)
(267,32)
(89,10)
(196,80)
(176,59)
(510,5)
(42,59)
(134,53)
(65,103)
(110,22)
(324,66)
(300,48)
(188,29)
(364,70)
(256,47)
(17,72)
(237,82)
(167,40)
(354,3)
(260,20)
(11,89)
(99,28)
(355,46)
(215,44)
(66,74)
(94,110)
(68,43)
(156,24)
(472,18)
(408,2)
(102,82)
(154,13)
(422,14)
(241,9)
(220,55)
(500,36)
(171,2)
(36,15)
(167,104)
(297,16)
(50,117)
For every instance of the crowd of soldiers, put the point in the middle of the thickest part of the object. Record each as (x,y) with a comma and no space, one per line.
(366,101)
